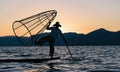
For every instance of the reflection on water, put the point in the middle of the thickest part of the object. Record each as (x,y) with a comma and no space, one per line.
(86,58)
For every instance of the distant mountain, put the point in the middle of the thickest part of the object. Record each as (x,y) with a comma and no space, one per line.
(103,37)
(97,37)
(9,41)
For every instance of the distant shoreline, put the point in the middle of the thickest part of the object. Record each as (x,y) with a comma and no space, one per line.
(100,37)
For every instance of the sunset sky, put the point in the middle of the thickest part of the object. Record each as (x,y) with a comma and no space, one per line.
(80,16)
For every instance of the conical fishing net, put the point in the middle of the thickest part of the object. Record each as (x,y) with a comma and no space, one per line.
(27,30)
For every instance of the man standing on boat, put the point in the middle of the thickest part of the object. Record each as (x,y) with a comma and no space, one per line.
(51,37)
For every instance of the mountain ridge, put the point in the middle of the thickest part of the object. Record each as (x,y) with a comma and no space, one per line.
(97,37)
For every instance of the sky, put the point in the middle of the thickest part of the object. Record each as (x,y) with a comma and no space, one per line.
(80,16)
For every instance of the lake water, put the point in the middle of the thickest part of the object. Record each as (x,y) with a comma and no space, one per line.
(86,58)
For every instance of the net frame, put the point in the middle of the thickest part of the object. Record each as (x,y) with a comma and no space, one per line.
(42,17)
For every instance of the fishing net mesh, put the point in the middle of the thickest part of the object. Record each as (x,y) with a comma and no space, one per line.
(27,30)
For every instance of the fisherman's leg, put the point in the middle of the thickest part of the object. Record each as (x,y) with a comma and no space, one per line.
(51,53)
(41,41)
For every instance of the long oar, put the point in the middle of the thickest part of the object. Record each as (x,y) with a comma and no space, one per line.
(69,52)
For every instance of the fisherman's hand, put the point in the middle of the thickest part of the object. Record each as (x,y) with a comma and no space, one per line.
(49,22)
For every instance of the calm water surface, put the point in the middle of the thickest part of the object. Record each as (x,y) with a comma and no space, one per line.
(86,58)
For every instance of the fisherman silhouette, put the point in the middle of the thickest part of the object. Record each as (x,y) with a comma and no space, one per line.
(51,37)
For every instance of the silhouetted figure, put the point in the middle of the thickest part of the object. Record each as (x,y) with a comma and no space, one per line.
(51,37)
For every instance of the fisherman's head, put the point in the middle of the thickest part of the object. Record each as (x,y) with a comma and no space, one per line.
(57,24)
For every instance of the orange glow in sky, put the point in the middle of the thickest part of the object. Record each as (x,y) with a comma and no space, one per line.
(80,16)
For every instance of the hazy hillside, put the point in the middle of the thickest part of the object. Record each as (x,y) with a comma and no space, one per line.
(97,37)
